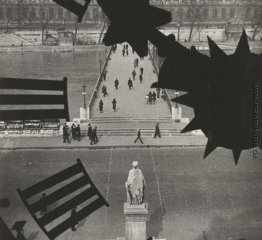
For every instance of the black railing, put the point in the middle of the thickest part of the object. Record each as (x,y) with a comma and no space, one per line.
(166,95)
(100,79)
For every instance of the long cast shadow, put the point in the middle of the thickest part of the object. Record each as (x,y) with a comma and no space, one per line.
(154,226)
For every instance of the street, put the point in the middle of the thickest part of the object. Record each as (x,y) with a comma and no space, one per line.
(186,194)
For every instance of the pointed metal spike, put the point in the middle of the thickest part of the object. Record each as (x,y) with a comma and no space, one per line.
(210,147)
(243,46)
(193,125)
(186,99)
(236,154)
(215,51)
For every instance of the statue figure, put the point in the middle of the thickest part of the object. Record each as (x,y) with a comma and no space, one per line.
(135,185)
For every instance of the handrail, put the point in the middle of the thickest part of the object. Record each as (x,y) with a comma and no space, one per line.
(169,103)
(99,80)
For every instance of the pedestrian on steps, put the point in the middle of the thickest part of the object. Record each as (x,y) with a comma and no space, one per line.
(157,131)
(114,104)
(101,105)
(116,83)
(139,136)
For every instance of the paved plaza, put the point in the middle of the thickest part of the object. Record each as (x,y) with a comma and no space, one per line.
(130,103)
(186,194)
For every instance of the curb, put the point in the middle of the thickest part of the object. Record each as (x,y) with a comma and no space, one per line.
(104,147)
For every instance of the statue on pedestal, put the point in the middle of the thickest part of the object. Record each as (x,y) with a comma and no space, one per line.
(135,185)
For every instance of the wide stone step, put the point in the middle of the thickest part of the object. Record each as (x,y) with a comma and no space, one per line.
(118,120)
(133,132)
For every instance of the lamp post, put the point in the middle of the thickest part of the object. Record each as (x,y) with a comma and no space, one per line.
(176,94)
(84,94)
(178,31)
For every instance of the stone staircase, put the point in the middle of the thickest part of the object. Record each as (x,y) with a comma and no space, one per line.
(7,40)
(130,119)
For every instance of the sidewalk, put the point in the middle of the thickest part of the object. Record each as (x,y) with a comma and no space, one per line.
(56,142)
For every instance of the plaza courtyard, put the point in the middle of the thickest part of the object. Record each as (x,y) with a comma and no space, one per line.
(186,194)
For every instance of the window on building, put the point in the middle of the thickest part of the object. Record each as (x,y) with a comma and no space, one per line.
(214,12)
(24,12)
(205,13)
(9,13)
(51,13)
(188,14)
(223,13)
(32,14)
(68,15)
(180,14)
(232,12)
(60,13)
(1,14)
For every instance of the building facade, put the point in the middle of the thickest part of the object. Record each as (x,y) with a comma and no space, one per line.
(32,13)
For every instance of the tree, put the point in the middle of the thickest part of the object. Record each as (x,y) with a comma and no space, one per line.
(194,17)
(257,22)
(44,21)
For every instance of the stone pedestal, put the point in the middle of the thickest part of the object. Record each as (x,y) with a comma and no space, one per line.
(136,221)
(177,113)
(84,113)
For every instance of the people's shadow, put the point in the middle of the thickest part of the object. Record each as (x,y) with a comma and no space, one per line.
(82,222)
(155,225)
(33,236)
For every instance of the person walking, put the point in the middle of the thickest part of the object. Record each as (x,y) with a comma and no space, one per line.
(104,75)
(157,131)
(127,51)
(116,83)
(123,52)
(130,83)
(150,97)
(66,133)
(134,74)
(137,62)
(74,218)
(141,78)
(142,70)
(94,138)
(78,132)
(89,131)
(73,129)
(154,97)
(114,104)
(104,90)
(101,105)
(139,136)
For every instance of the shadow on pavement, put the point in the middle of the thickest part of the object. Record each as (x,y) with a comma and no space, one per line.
(33,236)
(154,226)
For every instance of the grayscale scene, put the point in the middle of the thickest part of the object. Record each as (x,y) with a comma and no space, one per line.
(89,151)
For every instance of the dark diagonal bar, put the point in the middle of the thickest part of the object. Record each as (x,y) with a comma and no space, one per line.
(80,215)
(12,99)
(51,181)
(60,193)
(67,206)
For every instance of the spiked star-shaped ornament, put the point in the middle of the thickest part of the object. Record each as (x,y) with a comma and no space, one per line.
(222,89)
(132,21)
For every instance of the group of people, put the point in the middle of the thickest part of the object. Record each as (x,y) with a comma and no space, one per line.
(151,97)
(75,130)
(156,134)
(76,133)
(114,48)
(104,90)
(125,50)
(130,84)
(101,105)
(92,134)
